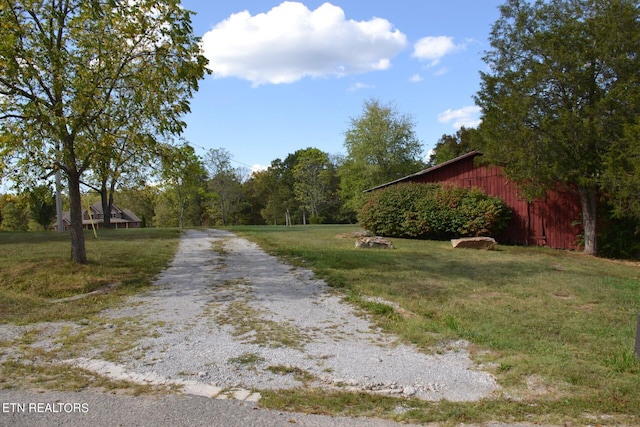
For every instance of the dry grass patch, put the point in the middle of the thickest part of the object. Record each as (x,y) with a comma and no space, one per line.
(36,268)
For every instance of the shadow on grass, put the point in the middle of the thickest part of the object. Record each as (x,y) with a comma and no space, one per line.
(39,237)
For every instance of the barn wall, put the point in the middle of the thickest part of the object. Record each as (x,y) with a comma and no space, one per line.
(546,222)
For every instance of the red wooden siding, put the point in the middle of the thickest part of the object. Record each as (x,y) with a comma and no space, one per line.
(548,222)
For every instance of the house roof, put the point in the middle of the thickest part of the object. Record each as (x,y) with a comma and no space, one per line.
(96,209)
(425,171)
(132,217)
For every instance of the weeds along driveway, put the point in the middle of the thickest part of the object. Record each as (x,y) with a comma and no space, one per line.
(230,318)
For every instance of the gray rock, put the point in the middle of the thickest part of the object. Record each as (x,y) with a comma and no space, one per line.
(375,242)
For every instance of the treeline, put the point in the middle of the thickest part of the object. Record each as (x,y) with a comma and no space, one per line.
(178,188)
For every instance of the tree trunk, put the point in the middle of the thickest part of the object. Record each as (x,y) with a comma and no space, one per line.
(106,209)
(588,199)
(59,221)
(78,250)
(110,203)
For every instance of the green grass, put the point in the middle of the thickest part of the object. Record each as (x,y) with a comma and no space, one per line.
(556,328)
(36,268)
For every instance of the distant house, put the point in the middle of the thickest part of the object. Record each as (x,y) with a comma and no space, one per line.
(119,218)
(547,222)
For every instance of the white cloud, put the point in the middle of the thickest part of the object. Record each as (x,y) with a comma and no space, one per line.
(415,78)
(290,42)
(441,72)
(433,49)
(258,168)
(466,116)
(357,86)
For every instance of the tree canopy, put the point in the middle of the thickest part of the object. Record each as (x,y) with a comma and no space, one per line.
(42,205)
(563,83)
(65,65)
(313,175)
(224,185)
(381,146)
(449,147)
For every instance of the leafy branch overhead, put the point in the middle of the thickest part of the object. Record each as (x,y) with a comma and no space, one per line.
(81,78)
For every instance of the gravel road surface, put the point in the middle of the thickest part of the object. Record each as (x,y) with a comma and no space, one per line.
(235,317)
(231,320)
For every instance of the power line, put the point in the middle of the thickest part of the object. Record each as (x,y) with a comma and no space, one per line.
(231,158)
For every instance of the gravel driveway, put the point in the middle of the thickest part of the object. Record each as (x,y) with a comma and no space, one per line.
(227,320)
(234,319)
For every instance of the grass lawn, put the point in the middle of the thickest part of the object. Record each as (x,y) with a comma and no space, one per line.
(36,267)
(556,328)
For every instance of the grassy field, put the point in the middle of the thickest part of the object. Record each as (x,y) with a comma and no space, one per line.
(36,268)
(556,328)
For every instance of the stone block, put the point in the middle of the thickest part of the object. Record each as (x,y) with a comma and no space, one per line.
(484,243)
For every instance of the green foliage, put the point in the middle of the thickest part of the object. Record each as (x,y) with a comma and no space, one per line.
(393,211)
(15,213)
(312,187)
(449,147)
(42,205)
(619,235)
(142,201)
(432,211)
(381,146)
(70,97)
(621,178)
(184,176)
(301,188)
(224,188)
(564,81)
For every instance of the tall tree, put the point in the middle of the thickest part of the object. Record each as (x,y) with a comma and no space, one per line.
(183,176)
(449,147)
(256,190)
(312,186)
(564,81)
(381,146)
(225,182)
(65,63)
(281,202)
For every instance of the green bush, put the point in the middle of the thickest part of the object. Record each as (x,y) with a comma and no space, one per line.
(618,236)
(433,211)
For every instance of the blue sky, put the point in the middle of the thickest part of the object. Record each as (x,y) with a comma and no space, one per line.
(291,75)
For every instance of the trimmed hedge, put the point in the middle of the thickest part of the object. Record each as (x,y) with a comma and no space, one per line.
(433,211)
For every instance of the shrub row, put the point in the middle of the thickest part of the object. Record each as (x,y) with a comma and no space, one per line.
(433,211)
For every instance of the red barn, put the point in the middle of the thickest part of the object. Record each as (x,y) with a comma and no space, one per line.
(549,222)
